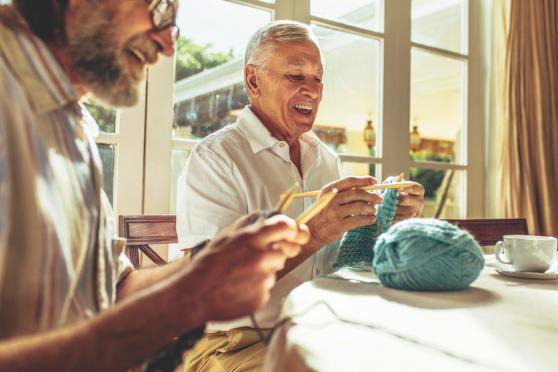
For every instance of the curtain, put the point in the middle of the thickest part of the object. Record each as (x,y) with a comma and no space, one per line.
(530,126)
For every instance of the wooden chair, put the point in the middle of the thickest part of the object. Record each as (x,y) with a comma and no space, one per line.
(141,231)
(490,231)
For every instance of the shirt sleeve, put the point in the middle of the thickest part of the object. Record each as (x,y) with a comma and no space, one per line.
(208,197)
(115,246)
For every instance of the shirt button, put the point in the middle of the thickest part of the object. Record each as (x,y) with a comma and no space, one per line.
(281,144)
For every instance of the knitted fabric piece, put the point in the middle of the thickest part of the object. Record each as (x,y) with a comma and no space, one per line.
(356,249)
(424,254)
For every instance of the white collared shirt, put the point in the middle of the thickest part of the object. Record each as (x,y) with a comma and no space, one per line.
(240,169)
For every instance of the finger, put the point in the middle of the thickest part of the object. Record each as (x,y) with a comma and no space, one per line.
(411,200)
(353,222)
(406,211)
(351,196)
(348,183)
(303,235)
(272,260)
(418,189)
(289,249)
(269,282)
(274,229)
(266,280)
(355,209)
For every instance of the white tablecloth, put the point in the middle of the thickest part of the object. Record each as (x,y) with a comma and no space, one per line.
(500,323)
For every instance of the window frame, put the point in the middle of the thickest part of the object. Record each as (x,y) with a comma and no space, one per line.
(143,187)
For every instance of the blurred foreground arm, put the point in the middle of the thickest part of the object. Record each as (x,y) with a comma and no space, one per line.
(229,279)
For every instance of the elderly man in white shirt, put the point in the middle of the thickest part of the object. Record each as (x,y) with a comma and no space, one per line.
(245,166)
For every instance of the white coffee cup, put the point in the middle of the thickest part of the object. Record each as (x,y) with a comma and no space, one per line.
(527,252)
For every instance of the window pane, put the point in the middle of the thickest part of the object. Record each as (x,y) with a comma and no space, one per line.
(108,153)
(361,169)
(440,23)
(104,116)
(208,90)
(178,162)
(350,95)
(444,191)
(437,104)
(361,13)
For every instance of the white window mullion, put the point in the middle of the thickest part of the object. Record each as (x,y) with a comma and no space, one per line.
(396,83)
(347,28)
(284,9)
(158,137)
(128,141)
(476,180)
(128,167)
(254,3)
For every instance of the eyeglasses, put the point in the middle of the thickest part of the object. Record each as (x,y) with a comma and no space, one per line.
(163,16)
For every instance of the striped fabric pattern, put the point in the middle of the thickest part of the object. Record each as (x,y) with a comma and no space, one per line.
(59,262)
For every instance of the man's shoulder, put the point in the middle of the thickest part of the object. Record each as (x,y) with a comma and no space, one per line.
(227,139)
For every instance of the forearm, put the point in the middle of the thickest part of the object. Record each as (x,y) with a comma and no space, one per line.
(144,278)
(115,340)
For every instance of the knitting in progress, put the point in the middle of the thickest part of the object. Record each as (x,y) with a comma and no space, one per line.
(356,249)
(427,255)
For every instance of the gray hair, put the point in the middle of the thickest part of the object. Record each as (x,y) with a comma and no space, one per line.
(257,50)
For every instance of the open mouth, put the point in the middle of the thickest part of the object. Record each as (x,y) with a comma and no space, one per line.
(303,108)
(138,56)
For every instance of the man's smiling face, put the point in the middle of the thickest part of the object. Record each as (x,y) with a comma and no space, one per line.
(110,43)
(289,88)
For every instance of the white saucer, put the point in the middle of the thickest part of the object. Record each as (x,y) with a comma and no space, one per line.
(508,270)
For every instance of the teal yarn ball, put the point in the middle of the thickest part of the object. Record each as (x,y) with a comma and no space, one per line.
(424,254)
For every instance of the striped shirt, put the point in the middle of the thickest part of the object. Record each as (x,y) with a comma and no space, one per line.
(59,261)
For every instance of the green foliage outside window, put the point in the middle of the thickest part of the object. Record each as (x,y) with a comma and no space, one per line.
(192,58)
(106,119)
(431,179)
(104,116)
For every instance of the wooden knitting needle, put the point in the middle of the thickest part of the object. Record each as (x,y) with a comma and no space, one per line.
(378,186)
(316,208)
(286,198)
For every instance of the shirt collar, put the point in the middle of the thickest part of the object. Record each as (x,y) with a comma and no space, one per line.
(45,83)
(258,135)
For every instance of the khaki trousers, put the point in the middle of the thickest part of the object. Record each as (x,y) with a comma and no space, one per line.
(237,350)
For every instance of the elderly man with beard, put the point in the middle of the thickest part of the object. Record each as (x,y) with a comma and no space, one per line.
(245,166)
(69,298)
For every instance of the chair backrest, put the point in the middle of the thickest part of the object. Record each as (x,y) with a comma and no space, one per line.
(141,231)
(490,231)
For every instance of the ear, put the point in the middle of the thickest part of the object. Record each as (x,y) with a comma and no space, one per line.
(251,80)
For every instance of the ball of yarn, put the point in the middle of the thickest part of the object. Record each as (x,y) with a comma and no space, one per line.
(427,255)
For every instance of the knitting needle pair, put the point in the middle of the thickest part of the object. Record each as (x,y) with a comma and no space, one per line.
(286,198)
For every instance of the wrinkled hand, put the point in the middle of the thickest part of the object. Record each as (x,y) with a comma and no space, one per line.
(234,273)
(351,208)
(411,202)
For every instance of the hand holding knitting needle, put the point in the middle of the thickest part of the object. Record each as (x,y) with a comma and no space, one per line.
(242,261)
(350,207)
(411,201)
